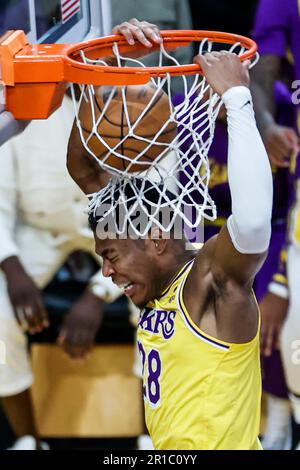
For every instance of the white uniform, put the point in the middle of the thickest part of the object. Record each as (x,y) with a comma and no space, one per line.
(42,221)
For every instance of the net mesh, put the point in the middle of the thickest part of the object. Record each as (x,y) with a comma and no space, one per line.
(172,187)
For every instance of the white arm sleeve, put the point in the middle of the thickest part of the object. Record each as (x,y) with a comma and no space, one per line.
(249,176)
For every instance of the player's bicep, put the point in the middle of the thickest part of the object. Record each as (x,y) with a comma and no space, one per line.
(229,263)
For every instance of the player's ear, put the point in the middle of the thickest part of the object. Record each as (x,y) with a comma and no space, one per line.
(158,240)
(160,246)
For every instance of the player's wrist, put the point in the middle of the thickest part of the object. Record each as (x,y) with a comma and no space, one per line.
(236,95)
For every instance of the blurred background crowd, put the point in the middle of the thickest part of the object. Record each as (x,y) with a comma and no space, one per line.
(71,378)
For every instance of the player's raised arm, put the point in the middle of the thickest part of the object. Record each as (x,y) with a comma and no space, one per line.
(82,167)
(240,248)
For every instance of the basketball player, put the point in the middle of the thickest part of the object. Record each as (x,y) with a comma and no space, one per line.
(199,328)
(271,276)
(277,32)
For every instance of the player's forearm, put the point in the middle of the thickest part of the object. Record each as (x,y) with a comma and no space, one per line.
(263,78)
(263,106)
(249,176)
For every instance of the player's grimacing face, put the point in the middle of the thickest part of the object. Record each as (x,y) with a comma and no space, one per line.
(131,266)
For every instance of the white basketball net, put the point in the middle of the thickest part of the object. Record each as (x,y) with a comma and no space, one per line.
(179,177)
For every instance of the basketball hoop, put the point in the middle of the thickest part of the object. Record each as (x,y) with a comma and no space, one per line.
(36,77)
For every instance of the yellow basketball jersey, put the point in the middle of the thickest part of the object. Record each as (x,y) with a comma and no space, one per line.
(199,392)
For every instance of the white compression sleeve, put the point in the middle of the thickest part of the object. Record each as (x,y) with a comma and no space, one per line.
(249,176)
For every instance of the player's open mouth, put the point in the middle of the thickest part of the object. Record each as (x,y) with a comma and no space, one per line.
(129,289)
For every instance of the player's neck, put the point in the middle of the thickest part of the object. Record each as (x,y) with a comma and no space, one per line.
(178,261)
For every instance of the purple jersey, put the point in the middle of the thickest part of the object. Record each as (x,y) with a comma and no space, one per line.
(277,29)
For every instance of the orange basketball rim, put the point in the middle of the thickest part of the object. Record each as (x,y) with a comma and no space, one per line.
(35,76)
